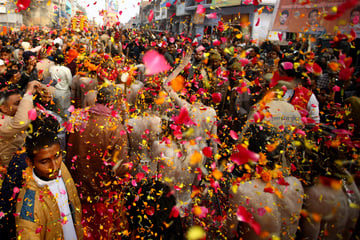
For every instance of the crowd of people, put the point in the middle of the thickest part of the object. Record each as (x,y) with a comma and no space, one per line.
(134,134)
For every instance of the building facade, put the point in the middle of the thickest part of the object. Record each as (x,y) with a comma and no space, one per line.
(181,17)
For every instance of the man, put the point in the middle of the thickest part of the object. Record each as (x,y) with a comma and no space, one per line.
(283,17)
(313,22)
(3,80)
(29,72)
(62,75)
(45,63)
(14,120)
(170,55)
(97,151)
(48,206)
(354,20)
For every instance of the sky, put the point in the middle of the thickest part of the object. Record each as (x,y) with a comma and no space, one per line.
(129,9)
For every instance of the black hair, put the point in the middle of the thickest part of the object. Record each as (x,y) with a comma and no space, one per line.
(356,9)
(260,137)
(42,133)
(285,12)
(59,58)
(27,55)
(106,94)
(289,72)
(149,207)
(312,11)
(6,50)
(4,95)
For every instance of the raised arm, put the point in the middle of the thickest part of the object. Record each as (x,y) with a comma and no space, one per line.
(166,85)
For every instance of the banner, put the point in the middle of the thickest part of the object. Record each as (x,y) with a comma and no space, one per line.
(113,6)
(226,3)
(309,18)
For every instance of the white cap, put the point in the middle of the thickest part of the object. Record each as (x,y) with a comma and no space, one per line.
(2,63)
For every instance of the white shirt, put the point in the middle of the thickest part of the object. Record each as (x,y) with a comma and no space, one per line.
(62,75)
(59,41)
(58,189)
(312,106)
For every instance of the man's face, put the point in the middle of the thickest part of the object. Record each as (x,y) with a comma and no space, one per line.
(5,55)
(3,69)
(216,63)
(172,48)
(20,55)
(198,55)
(313,18)
(283,18)
(32,61)
(355,17)
(47,162)
(46,97)
(11,105)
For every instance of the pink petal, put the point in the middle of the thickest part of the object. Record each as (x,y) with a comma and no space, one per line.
(282,181)
(261,211)
(336,88)
(168,4)
(151,15)
(258,22)
(16,190)
(244,61)
(71,108)
(211,15)
(216,97)
(234,135)
(38,229)
(242,155)
(216,42)
(244,216)
(155,63)
(174,212)
(298,131)
(200,9)
(145,168)
(223,39)
(207,151)
(32,114)
(258,117)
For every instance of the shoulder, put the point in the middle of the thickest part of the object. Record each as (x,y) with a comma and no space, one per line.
(27,204)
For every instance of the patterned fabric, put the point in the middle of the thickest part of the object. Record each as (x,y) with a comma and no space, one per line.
(27,210)
(323,81)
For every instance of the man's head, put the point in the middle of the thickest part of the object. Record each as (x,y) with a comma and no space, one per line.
(43,150)
(5,53)
(107,94)
(45,96)
(313,17)
(29,57)
(283,17)
(355,15)
(199,53)
(152,214)
(9,102)
(171,47)
(59,58)
(205,41)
